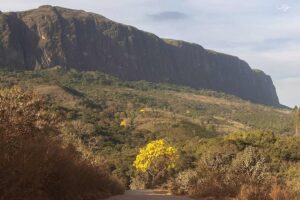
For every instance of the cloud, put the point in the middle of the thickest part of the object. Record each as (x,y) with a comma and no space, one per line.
(276,44)
(168,15)
(284,8)
(288,90)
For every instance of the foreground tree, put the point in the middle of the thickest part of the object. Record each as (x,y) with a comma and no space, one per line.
(156,160)
(22,114)
(33,165)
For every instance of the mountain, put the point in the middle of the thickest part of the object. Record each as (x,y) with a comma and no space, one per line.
(51,36)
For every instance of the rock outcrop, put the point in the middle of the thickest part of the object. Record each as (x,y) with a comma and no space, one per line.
(51,36)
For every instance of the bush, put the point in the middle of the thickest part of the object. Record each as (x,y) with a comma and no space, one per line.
(213,169)
(279,193)
(24,115)
(34,165)
(292,177)
(210,177)
(251,167)
(184,182)
(252,192)
(41,169)
(140,181)
(223,173)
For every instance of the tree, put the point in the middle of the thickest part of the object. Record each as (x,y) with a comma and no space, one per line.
(296,119)
(22,114)
(156,159)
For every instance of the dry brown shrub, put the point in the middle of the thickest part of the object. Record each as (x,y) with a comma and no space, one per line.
(253,192)
(279,193)
(34,166)
(41,169)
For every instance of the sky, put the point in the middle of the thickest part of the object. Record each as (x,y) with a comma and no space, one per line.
(265,33)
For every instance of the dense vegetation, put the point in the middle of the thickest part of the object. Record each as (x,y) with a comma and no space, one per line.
(217,136)
(253,165)
(34,165)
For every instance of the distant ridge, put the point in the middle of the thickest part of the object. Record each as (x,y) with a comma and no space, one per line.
(51,36)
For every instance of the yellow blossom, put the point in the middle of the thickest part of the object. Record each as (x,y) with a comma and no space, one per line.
(155,157)
(123,123)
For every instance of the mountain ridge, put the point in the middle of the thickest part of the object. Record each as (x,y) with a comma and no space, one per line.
(51,36)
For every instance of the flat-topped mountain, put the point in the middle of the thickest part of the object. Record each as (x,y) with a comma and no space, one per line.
(51,36)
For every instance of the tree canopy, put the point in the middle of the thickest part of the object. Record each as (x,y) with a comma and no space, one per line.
(157,156)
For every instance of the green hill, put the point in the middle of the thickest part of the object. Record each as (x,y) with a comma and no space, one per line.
(85,95)
(104,117)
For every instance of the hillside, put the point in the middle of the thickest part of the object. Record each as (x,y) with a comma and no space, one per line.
(107,120)
(161,103)
(98,103)
(51,36)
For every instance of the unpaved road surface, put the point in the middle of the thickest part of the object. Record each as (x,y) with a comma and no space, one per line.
(147,195)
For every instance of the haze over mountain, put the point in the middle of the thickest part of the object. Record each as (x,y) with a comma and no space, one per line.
(51,36)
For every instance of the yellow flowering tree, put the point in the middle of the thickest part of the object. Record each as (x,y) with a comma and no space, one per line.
(157,158)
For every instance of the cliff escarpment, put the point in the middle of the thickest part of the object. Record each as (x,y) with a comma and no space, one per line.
(51,36)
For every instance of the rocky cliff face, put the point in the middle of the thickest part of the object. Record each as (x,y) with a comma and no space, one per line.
(50,36)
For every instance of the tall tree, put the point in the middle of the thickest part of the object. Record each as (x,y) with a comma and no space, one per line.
(297,120)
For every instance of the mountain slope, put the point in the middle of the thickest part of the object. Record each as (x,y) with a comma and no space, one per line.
(92,107)
(95,97)
(50,36)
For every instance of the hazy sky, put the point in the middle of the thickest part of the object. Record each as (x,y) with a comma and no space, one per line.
(265,33)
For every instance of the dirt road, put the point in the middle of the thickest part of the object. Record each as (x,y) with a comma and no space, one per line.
(147,195)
